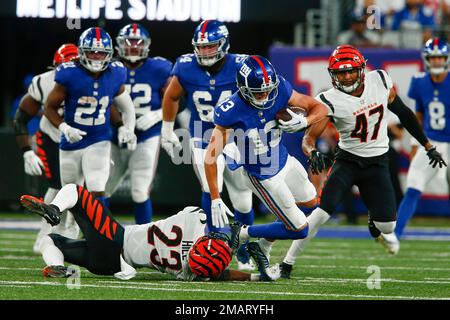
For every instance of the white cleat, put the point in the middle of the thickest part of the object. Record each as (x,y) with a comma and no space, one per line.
(390,242)
(249,266)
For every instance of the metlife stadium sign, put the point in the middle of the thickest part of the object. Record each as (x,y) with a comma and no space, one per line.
(159,10)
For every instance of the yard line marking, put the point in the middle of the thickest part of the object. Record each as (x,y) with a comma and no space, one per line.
(339,280)
(397,258)
(10,257)
(365,267)
(16,236)
(22,243)
(143,283)
(14,250)
(275,293)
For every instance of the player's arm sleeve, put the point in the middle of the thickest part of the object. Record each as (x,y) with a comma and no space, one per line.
(408,119)
(35,89)
(125,105)
(322,99)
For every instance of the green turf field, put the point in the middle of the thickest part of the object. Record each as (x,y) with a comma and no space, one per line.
(329,269)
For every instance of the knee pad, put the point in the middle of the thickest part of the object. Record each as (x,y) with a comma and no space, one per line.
(385,227)
(139,195)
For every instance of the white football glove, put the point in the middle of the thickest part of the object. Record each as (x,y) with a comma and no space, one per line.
(148,120)
(169,140)
(125,135)
(33,163)
(297,123)
(72,134)
(219,212)
(132,144)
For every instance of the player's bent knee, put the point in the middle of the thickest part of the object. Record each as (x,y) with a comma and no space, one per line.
(243,204)
(385,227)
(139,196)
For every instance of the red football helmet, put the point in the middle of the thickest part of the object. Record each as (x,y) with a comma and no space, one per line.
(210,255)
(67,52)
(344,58)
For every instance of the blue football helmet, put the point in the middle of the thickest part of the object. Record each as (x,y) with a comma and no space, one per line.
(133,43)
(209,33)
(95,41)
(436,48)
(256,75)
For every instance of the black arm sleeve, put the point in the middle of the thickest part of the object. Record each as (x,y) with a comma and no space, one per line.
(21,120)
(408,119)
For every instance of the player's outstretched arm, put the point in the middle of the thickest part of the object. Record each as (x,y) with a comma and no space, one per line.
(410,122)
(28,108)
(219,210)
(54,100)
(171,99)
(316,110)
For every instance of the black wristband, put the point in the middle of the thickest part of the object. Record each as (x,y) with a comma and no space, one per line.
(26,148)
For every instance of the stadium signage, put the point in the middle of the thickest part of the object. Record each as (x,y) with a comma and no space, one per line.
(159,10)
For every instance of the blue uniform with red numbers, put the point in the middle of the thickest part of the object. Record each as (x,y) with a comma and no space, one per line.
(262,154)
(88,101)
(204,90)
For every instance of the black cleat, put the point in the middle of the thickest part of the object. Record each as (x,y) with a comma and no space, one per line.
(286,270)
(48,211)
(262,263)
(234,241)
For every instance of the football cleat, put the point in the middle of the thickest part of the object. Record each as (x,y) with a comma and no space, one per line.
(286,270)
(56,272)
(48,211)
(390,242)
(234,241)
(243,259)
(262,263)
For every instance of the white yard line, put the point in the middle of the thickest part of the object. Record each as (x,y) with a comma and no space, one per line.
(260,293)
(330,266)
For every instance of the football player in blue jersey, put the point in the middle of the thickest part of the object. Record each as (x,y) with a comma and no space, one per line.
(430,90)
(249,117)
(88,89)
(205,78)
(147,79)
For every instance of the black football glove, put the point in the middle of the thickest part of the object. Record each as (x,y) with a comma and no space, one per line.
(316,162)
(435,158)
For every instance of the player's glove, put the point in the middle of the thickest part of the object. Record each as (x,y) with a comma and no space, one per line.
(125,135)
(33,163)
(71,134)
(435,158)
(316,162)
(148,120)
(219,212)
(297,123)
(169,140)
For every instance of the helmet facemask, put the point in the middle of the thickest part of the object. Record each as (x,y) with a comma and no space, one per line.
(133,49)
(94,64)
(209,59)
(250,94)
(350,88)
(436,70)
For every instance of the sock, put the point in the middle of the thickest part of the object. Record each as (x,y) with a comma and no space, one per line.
(265,246)
(50,195)
(275,230)
(107,201)
(143,212)
(102,199)
(245,218)
(50,253)
(406,209)
(315,220)
(66,198)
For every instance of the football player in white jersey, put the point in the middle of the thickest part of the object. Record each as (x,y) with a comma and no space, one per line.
(46,158)
(358,105)
(177,245)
